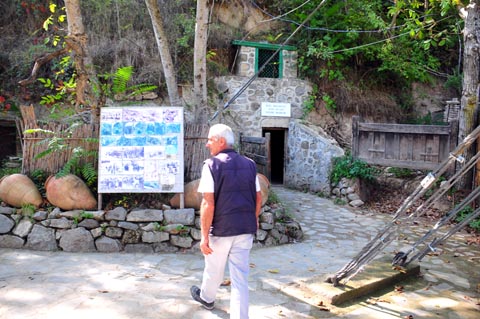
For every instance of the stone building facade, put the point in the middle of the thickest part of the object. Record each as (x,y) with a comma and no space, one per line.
(274,103)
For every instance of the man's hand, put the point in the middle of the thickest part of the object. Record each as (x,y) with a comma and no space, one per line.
(205,247)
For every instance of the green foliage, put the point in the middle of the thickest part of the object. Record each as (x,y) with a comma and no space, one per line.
(56,21)
(464,213)
(59,90)
(398,39)
(309,104)
(401,172)
(86,215)
(415,68)
(272,197)
(86,171)
(28,210)
(39,177)
(348,167)
(182,230)
(329,103)
(89,174)
(111,84)
(455,81)
(60,144)
(120,79)
(186,21)
(158,227)
(104,226)
(125,200)
(427,119)
(283,215)
(4,171)
(322,194)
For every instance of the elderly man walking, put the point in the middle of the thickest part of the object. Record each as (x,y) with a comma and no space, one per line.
(229,219)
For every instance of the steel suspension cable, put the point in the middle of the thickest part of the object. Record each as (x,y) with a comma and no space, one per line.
(385,236)
(400,259)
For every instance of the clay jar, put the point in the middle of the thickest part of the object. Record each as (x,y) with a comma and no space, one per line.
(69,192)
(18,189)
(264,187)
(193,199)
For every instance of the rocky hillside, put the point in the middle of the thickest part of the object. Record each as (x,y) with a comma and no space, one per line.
(122,36)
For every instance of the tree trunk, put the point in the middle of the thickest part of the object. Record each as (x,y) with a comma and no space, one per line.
(471,69)
(77,42)
(164,50)
(200,63)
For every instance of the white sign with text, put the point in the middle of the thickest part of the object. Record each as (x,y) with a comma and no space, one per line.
(276,109)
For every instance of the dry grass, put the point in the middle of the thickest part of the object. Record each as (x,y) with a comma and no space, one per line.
(367,102)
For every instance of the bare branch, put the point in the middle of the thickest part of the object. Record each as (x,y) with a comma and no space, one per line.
(41,61)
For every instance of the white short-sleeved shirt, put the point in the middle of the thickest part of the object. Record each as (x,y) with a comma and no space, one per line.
(206,181)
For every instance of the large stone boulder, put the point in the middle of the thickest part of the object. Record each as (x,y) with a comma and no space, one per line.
(77,240)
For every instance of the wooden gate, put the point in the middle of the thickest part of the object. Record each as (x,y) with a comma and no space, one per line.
(403,145)
(258,149)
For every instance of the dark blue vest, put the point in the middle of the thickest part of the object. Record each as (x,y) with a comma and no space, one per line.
(235,194)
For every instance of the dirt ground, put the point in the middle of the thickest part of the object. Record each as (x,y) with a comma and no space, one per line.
(386,199)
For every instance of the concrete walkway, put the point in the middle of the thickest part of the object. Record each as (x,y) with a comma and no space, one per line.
(282,280)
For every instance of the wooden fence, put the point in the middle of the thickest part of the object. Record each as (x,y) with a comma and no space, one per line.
(403,145)
(196,136)
(86,136)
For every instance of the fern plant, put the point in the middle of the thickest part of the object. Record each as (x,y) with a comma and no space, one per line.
(86,171)
(117,83)
(60,144)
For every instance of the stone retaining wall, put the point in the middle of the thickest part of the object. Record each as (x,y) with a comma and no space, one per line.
(352,191)
(138,230)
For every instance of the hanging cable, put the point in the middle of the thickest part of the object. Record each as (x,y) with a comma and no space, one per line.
(283,15)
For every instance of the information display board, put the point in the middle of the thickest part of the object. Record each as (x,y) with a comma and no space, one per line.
(141,150)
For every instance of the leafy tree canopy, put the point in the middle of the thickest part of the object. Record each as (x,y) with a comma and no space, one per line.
(409,39)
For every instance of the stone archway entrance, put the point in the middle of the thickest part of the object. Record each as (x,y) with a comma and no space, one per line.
(278,137)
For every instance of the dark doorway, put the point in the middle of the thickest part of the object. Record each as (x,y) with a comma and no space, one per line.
(8,144)
(277,151)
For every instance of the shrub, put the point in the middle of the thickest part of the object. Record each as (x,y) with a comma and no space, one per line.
(272,197)
(5,171)
(348,167)
(401,172)
(464,213)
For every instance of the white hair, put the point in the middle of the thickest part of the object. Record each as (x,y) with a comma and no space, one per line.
(222,130)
